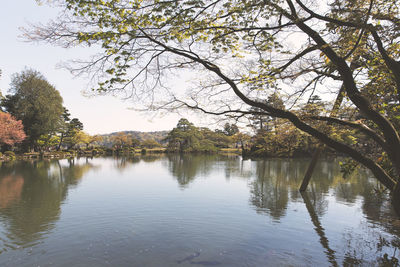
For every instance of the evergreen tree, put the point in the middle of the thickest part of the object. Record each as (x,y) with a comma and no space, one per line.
(35,102)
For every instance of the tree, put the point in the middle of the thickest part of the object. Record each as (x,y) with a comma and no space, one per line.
(135,142)
(76,138)
(121,140)
(69,132)
(11,130)
(65,126)
(150,143)
(75,123)
(36,103)
(95,139)
(214,139)
(245,46)
(46,142)
(83,138)
(230,129)
(184,137)
(63,129)
(241,138)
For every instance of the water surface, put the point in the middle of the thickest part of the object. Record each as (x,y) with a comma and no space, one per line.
(192,211)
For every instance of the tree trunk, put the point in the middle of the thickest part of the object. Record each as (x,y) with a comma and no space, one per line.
(396,198)
(61,139)
(310,169)
(317,152)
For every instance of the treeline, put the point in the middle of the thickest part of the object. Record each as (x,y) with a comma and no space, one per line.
(273,138)
(33,119)
(268,136)
(137,136)
(186,137)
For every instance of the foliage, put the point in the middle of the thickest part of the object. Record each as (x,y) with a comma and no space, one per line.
(150,143)
(347,167)
(82,138)
(72,134)
(242,139)
(121,141)
(95,139)
(47,141)
(217,138)
(35,102)
(185,137)
(230,129)
(68,129)
(136,142)
(285,141)
(11,130)
(10,155)
(137,137)
(78,137)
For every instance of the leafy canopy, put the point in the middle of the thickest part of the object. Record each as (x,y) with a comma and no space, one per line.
(35,102)
(11,130)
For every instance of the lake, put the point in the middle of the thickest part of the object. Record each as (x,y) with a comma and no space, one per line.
(192,210)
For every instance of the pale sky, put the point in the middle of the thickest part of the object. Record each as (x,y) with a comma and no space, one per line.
(102,114)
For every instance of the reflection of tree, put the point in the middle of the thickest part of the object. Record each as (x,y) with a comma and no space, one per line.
(151,158)
(382,252)
(122,163)
(330,253)
(269,192)
(39,188)
(235,167)
(378,210)
(185,167)
(278,180)
(10,190)
(347,189)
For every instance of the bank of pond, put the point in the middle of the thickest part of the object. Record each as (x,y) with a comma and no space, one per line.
(10,155)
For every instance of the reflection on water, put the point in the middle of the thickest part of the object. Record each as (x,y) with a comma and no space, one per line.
(192,210)
(10,190)
(319,229)
(31,197)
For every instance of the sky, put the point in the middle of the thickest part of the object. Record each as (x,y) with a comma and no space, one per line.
(100,114)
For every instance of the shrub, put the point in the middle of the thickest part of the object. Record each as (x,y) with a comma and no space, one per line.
(9,154)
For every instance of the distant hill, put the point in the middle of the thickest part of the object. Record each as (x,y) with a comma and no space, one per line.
(159,136)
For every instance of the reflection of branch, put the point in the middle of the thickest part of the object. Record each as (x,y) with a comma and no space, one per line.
(330,253)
